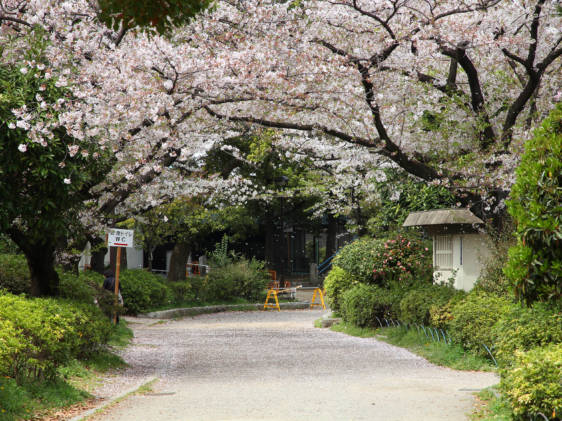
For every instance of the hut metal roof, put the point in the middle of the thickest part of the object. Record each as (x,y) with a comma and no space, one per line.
(441,217)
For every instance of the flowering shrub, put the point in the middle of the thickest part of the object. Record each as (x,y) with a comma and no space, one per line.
(404,258)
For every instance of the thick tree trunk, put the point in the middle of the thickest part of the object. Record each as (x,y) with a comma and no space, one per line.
(331,240)
(178,260)
(40,256)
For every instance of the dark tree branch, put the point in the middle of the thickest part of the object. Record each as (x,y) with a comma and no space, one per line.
(487,135)
(15,20)
(294,126)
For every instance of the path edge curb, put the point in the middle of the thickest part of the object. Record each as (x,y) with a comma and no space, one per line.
(90,412)
(194,311)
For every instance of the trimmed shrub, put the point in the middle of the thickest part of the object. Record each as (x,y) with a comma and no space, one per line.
(336,283)
(535,263)
(358,258)
(474,319)
(41,334)
(532,386)
(242,279)
(87,288)
(415,306)
(142,291)
(14,274)
(362,304)
(525,328)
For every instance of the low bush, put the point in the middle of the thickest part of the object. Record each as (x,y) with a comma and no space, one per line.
(532,386)
(240,279)
(525,328)
(143,291)
(416,304)
(40,334)
(358,258)
(441,316)
(182,292)
(14,274)
(474,319)
(362,304)
(336,283)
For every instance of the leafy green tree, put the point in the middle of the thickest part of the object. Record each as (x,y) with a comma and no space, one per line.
(399,195)
(158,15)
(535,263)
(42,182)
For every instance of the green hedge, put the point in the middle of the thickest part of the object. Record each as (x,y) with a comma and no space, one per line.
(474,319)
(143,291)
(533,385)
(416,304)
(525,328)
(38,335)
(362,304)
(336,283)
(358,258)
(14,274)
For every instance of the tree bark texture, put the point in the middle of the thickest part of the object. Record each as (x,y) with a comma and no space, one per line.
(178,260)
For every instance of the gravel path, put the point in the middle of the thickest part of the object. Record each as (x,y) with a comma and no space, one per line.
(277,366)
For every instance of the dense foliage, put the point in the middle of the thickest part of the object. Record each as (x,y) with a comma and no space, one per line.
(404,259)
(336,283)
(522,329)
(416,304)
(14,274)
(362,304)
(142,291)
(474,319)
(358,258)
(239,279)
(38,335)
(533,385)
(535,264)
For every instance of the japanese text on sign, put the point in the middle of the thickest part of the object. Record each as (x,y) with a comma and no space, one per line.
(120,238)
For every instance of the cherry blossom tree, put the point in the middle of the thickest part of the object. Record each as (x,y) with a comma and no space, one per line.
(447,90)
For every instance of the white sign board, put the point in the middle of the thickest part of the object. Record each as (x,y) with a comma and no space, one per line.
(120,238)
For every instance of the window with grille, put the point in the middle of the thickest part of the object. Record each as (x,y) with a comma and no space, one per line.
(443,251)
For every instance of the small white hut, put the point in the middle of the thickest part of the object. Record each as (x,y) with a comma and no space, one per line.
(459,249)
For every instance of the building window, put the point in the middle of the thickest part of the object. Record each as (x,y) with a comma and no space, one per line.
(443,251)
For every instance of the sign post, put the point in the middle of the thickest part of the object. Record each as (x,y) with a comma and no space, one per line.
(119,238)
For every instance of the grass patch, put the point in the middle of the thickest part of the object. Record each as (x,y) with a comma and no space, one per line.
(349,329)
(318,323)
(490,406)
(34,400)
(121,335)
(453,356)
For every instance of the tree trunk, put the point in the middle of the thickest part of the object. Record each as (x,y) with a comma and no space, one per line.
(97,260)
(40,256)
(178,260)
(331,240)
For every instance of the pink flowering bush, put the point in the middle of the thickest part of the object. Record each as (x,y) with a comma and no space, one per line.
(404,258)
